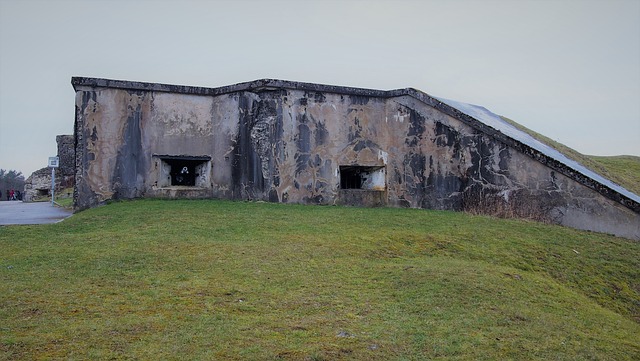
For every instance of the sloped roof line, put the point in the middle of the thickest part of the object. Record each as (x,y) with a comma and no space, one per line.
(522,140)
(476,116)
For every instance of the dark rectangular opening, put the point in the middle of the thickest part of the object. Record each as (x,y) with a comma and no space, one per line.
(350,177)
(183,171)
(362,177)
(187,171)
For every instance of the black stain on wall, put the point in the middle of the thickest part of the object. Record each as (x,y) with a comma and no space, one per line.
(355,130)
(83,195)
(450,138)
(303,144)
(86,97)
(303,140)
(359,99)
(129,167)
(319,97)
(415,182)
(417,127)
(246,171)
(321,134)
(258,143)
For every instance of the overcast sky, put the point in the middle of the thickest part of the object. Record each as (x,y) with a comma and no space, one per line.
(567,69)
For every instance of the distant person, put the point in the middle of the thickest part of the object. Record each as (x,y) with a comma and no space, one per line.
(12,195)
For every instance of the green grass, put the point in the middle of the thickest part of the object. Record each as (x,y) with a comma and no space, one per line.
(623,169)
(205,280)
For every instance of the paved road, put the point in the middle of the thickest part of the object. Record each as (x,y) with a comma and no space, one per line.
(17,212)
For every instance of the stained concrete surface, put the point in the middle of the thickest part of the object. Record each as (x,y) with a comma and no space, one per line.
(16,212)
(293,142)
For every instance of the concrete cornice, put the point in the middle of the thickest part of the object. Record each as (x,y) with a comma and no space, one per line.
(255,85)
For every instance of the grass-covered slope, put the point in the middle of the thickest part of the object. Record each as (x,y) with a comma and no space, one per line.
(623,169)
(207,280)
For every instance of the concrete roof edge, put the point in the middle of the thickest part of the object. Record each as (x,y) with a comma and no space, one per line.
(257,85)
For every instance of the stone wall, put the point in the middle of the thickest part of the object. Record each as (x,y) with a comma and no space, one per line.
(306,143)
(66,153)
(38,185)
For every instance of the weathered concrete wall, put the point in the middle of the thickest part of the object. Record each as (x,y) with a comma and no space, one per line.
(304,144)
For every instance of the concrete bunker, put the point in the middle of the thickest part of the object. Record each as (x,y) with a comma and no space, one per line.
(293,142)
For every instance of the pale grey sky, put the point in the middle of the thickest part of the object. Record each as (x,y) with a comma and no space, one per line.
(567,69)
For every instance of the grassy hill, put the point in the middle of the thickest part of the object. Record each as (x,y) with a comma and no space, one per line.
(623,170)
(170,280)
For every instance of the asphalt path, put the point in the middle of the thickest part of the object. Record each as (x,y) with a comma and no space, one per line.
(17,212)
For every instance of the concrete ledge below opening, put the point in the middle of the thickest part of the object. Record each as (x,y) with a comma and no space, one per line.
(179,192)
(362,198)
